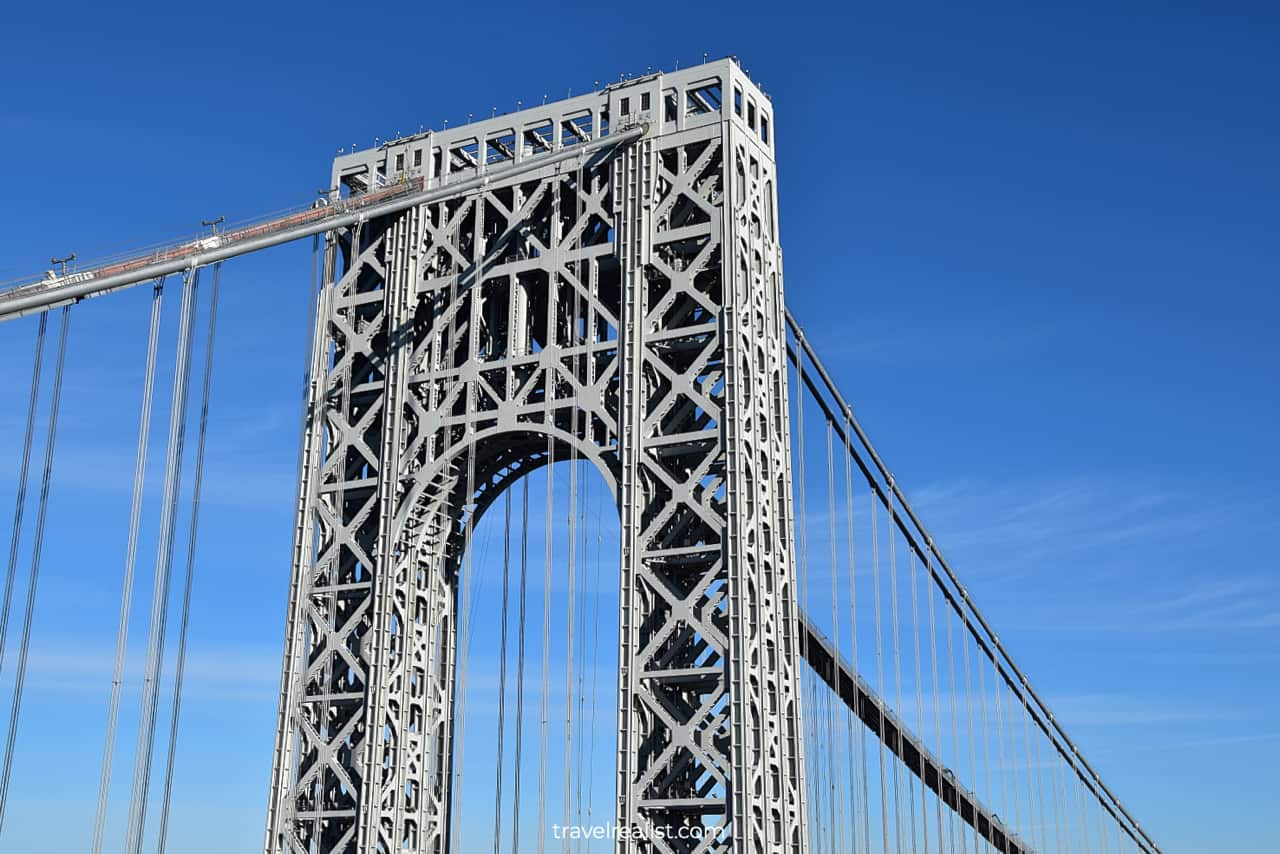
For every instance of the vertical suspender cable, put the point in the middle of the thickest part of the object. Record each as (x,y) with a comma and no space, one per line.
(915,626)
(1033,777)
(465,621)
(1079,787)
(570,615)
(130,564)
(802,537)
(957,756)
(580,747)
(580,653)
(197,482)
(875,578)
(897,681)
(937,704)
(15,707)
(1073,780)
(549,401)
(986,735)
(502,675)
(829,747)
(1070,783)
(1011,763)
(573,343)
(595,658)
(968,714)
(164,567)
(1102,834)
(1062,786)
(520,640)
(860,746)
(1034,762)
(591,334)
(540,827)
(23,471)
(464,634)
(838,803)
(1058,811)
(821,813)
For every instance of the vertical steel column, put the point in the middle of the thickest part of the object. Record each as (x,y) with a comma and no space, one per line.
(768,754)
(320,764)
(312,425)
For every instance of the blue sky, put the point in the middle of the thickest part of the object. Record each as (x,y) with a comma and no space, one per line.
(1036,246)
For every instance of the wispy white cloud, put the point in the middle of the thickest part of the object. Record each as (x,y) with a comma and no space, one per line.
(1222,741)
(1088,555)
(223,673)
(1116,709)
(1241,602)
(1025,520)
(239,481)
(908,340)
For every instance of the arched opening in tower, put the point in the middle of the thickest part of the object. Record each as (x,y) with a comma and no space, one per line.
(536,699)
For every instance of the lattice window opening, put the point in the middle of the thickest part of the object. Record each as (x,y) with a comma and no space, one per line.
(539,138)
(703,98)
(576,128)
(501,147)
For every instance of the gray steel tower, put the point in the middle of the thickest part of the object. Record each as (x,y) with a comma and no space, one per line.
(626,305)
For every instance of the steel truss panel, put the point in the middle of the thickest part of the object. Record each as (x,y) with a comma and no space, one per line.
(625,307)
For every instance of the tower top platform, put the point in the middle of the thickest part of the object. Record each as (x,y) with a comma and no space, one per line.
(664,102)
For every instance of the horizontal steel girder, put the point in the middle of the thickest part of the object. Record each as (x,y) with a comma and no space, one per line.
(909,748)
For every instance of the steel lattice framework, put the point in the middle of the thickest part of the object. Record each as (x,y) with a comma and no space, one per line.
(625,306)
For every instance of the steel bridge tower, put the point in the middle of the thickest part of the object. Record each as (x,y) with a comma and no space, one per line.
(626,306)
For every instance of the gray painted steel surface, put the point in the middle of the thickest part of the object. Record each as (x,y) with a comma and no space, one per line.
(626,306)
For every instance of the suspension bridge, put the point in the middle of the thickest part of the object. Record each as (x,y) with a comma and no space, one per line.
(530,319)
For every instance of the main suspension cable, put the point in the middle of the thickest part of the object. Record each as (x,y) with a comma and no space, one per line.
(197,482)
(130,564)
(164,569)
(959,600)
(42,506)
